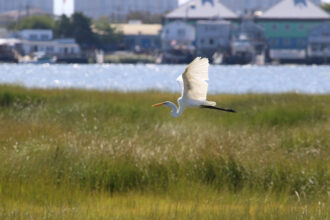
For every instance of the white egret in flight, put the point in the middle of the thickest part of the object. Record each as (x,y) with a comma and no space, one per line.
(194,89)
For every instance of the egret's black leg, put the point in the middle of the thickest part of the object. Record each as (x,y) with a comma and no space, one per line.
(217,108)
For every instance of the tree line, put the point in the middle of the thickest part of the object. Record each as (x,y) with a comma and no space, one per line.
(89,34)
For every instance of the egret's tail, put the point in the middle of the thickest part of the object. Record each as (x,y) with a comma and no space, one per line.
(210,103)
(217,108)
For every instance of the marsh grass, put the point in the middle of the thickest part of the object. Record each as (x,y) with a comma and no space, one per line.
(71,154)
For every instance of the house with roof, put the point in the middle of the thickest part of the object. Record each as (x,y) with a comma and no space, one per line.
(287,25)
(185,27)
(241,6)
(195,10)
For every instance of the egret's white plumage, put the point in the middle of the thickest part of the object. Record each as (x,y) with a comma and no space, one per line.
(193,82)
(194,88)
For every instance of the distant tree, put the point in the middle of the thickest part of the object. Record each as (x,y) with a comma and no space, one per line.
(107,35)
(326,7)
(63,27)
(82,31)
(33,22)
(145,17)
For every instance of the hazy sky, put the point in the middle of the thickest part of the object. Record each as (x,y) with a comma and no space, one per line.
(67,8)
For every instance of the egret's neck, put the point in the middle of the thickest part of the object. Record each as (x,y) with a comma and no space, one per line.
(175,111)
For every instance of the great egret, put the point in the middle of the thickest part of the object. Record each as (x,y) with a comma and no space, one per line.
(194,89)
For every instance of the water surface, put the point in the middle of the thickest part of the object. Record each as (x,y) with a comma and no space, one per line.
(123,77)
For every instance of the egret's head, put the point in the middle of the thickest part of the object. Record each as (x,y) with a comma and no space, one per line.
(161,104)
(174,112)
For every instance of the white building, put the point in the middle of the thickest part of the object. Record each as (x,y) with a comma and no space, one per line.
(118,9)
(36,35)
(25,5)
(178,34)
(36,41)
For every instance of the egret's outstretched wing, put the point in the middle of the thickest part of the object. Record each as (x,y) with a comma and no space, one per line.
(194,80)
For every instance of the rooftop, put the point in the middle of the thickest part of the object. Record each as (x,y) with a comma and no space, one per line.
(295,9)
(202,9)
(139,29)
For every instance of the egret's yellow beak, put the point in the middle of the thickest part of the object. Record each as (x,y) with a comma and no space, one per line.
(159,104)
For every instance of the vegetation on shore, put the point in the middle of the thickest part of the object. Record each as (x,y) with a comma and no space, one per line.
(129,58)
(68,154)
(88,33)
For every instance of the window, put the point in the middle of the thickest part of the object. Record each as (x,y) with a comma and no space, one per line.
(287,42)
(301,43)
(287,27)
(44,37)
(33,37)
(274,42)
(274,26)
(325,34)
(314,47)
(182,32)
(211,41)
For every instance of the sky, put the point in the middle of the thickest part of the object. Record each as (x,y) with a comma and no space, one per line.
(67,7)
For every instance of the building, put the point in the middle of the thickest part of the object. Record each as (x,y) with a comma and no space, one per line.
(195,10)
(36,35)
(248,43)
(178,42)
(140,37)
(24,5)
(178,34)
(212,37)
(241,6)
(41,41)
(287,26)
(318,49)
(119,9)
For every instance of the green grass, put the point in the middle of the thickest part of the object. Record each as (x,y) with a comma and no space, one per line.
(71,154)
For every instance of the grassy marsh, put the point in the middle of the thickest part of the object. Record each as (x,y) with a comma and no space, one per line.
(68,154)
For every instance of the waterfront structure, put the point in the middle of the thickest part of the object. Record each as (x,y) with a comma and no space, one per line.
(41,41)
(178,40)
(248,43)
(26,5)
(212,37)
(241,6)
(201,10)
(287,25)
(318,49)
(140,37)
(119,9)
(178,34)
